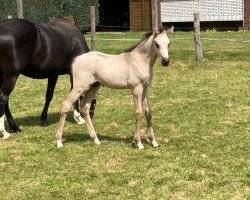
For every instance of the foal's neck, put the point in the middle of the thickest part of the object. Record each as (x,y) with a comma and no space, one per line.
(147,51)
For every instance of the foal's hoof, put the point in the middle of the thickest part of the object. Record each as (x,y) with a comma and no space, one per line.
(15,129)
(97,141)
(155,144)
(59,144)
(140,145)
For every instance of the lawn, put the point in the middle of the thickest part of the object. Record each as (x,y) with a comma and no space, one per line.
(201,113)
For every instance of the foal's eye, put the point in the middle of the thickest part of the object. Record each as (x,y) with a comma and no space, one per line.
(157,45)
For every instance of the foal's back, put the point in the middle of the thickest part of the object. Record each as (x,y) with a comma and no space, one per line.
(113,71)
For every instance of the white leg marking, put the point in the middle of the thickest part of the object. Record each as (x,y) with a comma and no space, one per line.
(59,143)
(97,141)
(2,129)
(155,144)
(77,117)
(140,145)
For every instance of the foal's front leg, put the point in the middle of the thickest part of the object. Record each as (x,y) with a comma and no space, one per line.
(137,95)
(148,115)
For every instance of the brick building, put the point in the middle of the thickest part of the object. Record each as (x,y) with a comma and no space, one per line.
(247,14)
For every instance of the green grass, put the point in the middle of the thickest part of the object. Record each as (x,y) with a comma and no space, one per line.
(200,118)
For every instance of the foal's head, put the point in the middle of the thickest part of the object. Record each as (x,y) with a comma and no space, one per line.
(162,43)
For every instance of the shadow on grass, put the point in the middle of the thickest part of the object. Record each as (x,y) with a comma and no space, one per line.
(53,118)
(83,137)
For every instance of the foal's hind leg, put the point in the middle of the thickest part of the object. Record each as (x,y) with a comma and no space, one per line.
(85,105)
(148,116)
(66,106)
(49,95)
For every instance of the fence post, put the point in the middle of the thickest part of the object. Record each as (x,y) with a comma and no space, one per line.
(197,38)
(155,13)
(19,6)
(92,23)
(9,17)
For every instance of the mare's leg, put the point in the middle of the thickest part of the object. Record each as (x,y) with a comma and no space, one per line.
(77,116)
(137,95)
(49,95)
(148,115)
(85,105)
(10,119)
(92,108)
(6,88)
(7,112)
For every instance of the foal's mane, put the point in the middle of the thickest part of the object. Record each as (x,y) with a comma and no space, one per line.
(146,36)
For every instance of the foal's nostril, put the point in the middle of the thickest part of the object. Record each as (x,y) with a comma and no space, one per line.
(165,62)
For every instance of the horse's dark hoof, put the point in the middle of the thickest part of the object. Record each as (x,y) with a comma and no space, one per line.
(91,113)
(44,123)
(15,129)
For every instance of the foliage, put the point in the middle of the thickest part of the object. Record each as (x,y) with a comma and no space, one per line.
(38,11)
(200,118)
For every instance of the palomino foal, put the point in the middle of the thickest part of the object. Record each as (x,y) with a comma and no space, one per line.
(130,70)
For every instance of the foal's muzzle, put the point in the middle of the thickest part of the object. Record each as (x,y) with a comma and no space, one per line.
(165,62)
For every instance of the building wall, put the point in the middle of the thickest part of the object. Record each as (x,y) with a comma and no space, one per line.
(210,10)
(247,14)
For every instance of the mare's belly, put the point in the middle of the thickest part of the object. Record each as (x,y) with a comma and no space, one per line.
(36,72)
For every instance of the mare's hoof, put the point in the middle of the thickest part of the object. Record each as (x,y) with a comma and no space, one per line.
(15,129)
(44,123)
(91,113)
(78,119)
(6,135)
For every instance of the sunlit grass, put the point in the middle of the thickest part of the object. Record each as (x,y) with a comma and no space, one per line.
(200,118)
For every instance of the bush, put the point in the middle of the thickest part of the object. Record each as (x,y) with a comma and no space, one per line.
(39,11)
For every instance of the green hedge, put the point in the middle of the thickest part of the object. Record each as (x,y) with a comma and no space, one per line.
(38,11)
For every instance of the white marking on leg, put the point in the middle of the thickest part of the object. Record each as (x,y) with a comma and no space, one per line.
(59,143)
(97,141)
(2,129)
(154,143)
(77,117)
(140,145)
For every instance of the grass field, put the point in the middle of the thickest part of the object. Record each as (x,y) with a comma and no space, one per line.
(201,113)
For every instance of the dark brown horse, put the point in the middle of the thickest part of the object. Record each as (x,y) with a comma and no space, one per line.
(36,51)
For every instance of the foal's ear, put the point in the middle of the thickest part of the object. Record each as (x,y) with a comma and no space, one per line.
(170,30)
